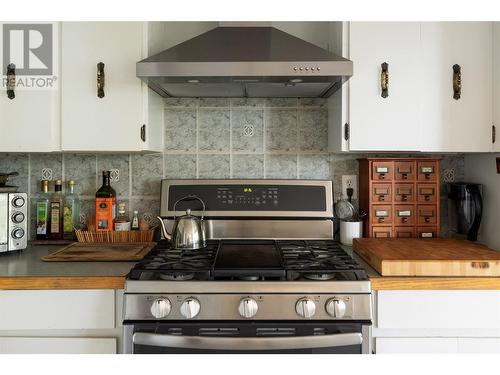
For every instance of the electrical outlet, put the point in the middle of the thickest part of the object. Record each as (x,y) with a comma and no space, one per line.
(350,181)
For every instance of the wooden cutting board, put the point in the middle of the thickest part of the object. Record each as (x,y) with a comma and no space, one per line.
(428,257)
(100,252)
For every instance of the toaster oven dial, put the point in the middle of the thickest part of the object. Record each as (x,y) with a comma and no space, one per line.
(18,233)
(190,308)
(248,307)
(18,217)
(335,308)
(18,202)
(160,308)
(305,307)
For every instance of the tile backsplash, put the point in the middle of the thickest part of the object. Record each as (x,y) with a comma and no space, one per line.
(209,138)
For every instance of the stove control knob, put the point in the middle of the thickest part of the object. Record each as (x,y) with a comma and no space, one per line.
(335,308)
(305,307)
(248,307)
(190,308)
(160,308)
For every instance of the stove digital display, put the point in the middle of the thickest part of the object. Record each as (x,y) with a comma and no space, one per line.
(250,198)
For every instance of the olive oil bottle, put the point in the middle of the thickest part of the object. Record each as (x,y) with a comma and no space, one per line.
(105,205)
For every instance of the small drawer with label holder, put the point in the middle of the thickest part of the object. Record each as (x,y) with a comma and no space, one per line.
(404,171)
(427,232)
(426,193)
(404,232)
(427,170)
(404,215)
(404,193)
(382,170)
(427,215)
(381,214)
(381,193)
(381,232)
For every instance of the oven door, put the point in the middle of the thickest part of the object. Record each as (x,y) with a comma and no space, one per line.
(247,337)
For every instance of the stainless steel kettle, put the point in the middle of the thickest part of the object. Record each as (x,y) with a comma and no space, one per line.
(188,231)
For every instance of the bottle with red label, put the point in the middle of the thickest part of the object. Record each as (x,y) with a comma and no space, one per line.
(105,205)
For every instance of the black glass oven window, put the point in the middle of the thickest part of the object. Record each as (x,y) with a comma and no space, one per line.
(250,197)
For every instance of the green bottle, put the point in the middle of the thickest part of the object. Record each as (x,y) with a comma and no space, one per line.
(71,211)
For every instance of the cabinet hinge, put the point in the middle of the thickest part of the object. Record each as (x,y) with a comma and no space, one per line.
(493,133)
(143,133)
(346,131)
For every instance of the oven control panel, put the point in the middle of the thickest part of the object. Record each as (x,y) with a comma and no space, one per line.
(253,306)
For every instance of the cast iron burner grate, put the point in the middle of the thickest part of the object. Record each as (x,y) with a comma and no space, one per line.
(314,259)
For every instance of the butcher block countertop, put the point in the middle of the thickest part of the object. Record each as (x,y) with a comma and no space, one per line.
(26,270)
(441,264)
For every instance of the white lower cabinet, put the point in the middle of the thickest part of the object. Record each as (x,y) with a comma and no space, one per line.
(437,321)
(57,345)
(60,321)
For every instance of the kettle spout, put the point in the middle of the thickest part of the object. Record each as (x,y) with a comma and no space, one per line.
(167,235)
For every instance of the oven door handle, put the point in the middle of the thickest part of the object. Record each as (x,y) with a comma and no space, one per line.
(247,343)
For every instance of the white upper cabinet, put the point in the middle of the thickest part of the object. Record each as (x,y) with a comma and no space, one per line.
(30,121)
(125,115)
(378,119)
(496,85)
(461,121)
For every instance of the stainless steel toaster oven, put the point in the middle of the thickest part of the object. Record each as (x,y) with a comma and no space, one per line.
(13,221)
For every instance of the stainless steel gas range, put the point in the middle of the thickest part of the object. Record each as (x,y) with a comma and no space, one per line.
(271,279)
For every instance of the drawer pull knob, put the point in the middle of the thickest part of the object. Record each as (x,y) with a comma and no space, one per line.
(427,197)
(404,198)
(381,198)
(427,219)
(380,219)
(404,219)
(404,176)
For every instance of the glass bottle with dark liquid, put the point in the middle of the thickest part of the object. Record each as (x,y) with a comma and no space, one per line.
(105,205)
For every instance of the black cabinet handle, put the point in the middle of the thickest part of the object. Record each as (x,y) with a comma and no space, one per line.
(11,81)
(384,80)
(100,80)
(457,81)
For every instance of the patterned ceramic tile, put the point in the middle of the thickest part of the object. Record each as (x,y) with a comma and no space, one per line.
(16,163)
(314,166)
(281,166)
(180,129)
(312,102)
(148,208)
(248,166)
(147,174)
(247,102)
(119,162)
(281,129)
(213,130)
(247,129)
(180,166)
(213,166)
(281,102)
(44,161)
(181,102)
(214,102)
(313,129)
(82,169)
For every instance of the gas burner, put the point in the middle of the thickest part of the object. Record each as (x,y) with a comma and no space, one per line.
(176,276)
(319,276)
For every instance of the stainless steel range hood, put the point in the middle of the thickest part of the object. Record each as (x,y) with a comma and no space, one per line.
(245,62)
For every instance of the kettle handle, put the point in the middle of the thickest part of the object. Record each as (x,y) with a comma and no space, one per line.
(190,197)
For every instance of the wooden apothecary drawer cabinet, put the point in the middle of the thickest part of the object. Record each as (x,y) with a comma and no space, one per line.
(401,197)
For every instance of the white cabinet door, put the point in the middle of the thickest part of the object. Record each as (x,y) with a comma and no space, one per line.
(113,122)
(390,123)
(490,345)
(57,309)
(496,84)
(30,121)
(464,124)
(416,345)
(57,345)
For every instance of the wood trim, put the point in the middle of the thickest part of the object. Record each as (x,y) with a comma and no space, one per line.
(62,282)
(435,283)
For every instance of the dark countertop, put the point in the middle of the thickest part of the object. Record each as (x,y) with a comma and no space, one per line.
(25,270)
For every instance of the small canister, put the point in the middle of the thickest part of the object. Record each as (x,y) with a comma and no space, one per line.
(350,230)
